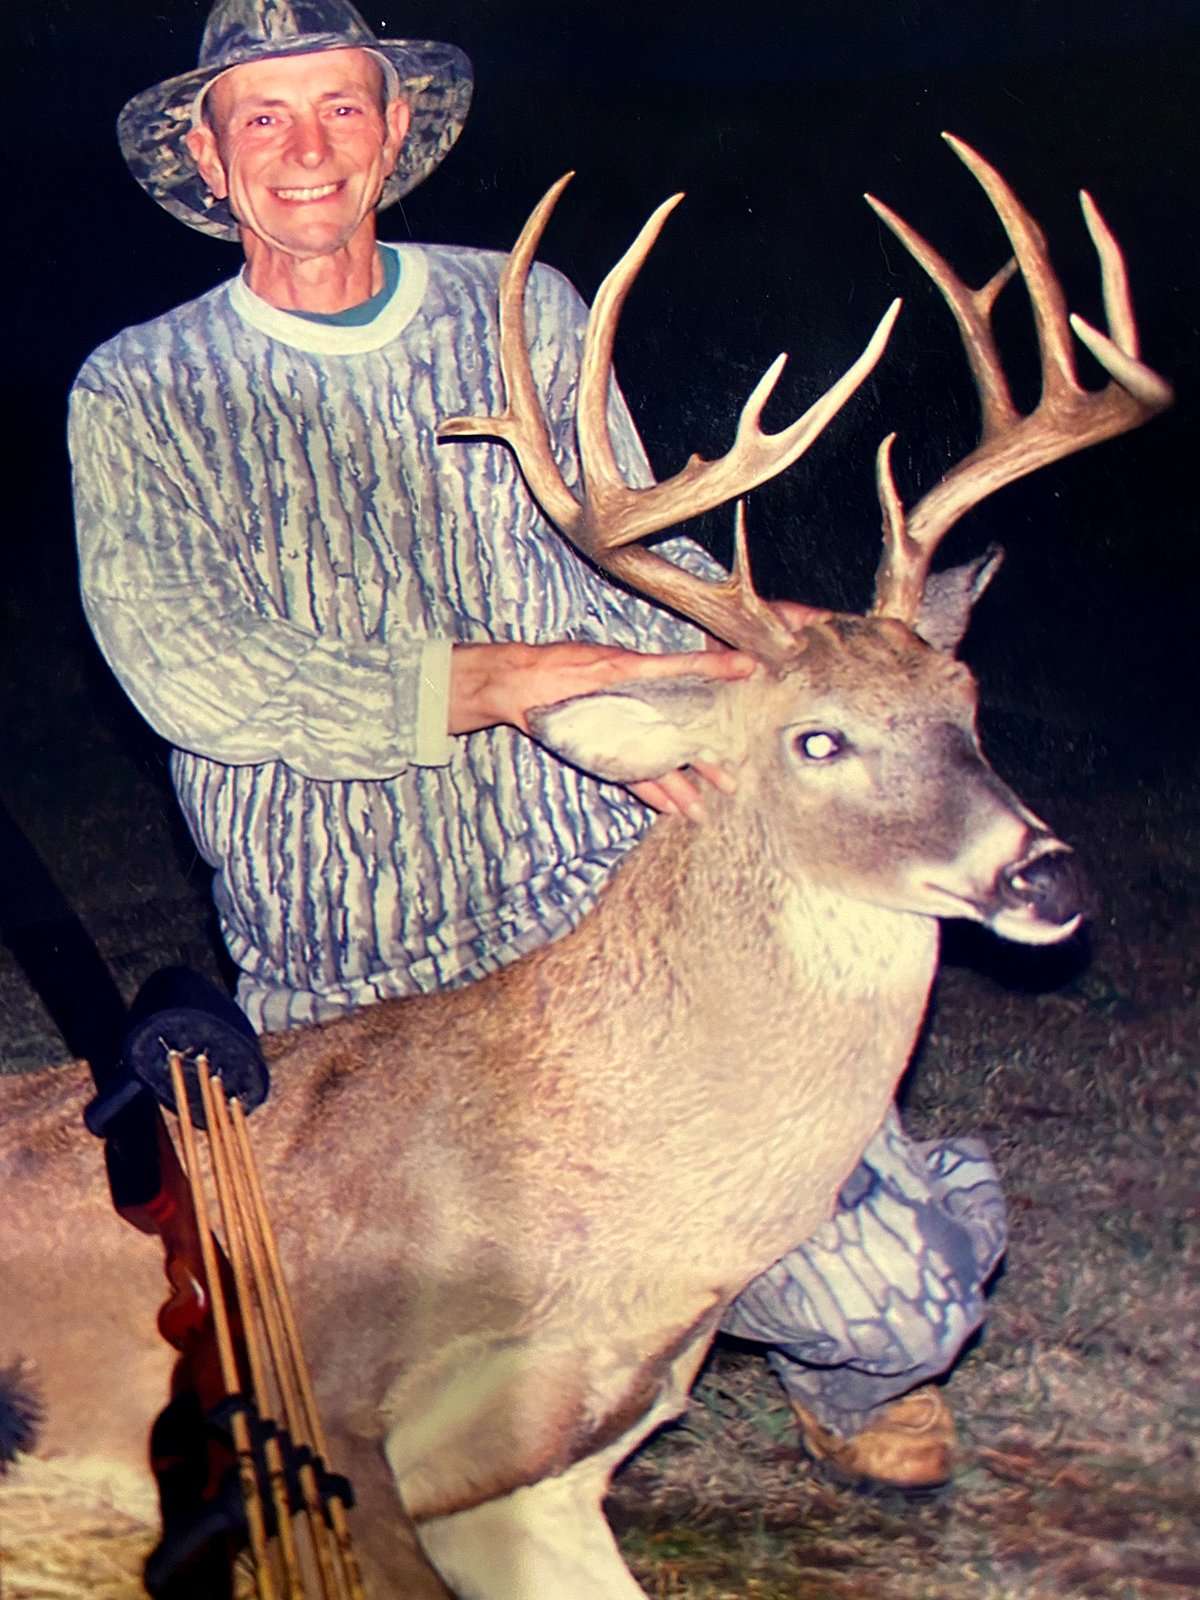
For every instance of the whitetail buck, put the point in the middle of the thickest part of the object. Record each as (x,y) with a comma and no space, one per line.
(514,1214)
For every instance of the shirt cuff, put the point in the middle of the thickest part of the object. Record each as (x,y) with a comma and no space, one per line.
(433,746)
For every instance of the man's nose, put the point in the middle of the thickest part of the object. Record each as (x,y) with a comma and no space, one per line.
(310,140)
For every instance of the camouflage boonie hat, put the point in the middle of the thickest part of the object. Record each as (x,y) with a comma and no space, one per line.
(434,78)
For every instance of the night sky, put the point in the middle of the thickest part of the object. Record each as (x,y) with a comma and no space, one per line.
(774,120)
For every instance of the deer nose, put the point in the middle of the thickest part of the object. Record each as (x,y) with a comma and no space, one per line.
(1050,883)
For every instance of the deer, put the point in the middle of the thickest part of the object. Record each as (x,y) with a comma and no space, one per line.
(514,1214)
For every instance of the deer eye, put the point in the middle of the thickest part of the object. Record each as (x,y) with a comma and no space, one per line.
(819,744)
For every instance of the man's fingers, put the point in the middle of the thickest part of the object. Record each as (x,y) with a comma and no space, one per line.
(719,777)
(651,793)
(674,795)
(704,663)
(679,787)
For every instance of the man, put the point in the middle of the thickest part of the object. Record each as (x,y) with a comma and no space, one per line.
(339,624)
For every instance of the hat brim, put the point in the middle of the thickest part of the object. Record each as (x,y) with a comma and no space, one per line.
(434,78)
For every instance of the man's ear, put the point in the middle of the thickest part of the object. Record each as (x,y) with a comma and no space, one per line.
(202,147)
(396,119)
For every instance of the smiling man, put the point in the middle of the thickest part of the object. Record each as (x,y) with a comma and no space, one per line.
(300,147)
(339,624)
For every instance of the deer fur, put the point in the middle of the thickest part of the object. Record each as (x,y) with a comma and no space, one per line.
(512,1215)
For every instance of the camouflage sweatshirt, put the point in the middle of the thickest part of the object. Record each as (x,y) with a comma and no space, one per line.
(276,557)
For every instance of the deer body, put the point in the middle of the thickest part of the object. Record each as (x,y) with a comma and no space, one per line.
(543,1211)
(513,1215)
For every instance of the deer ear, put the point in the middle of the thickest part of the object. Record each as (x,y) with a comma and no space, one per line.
(641,730)
(946,604)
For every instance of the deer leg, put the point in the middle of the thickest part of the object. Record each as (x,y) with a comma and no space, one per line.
(385,1544)
(549,1541)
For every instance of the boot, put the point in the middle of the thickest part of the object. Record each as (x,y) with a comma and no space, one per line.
(907,1445)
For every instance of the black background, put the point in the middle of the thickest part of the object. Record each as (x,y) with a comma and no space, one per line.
(774,120)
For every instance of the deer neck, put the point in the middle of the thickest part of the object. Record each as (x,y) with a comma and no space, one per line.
(756,965)
(783,1015)
(750,918)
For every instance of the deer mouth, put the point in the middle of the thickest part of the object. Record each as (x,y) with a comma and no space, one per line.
(1041,899)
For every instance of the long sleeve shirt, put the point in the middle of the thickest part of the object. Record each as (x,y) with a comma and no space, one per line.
(277,555)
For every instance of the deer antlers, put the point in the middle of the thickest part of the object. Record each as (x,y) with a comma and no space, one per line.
(611,514)
(1067,417)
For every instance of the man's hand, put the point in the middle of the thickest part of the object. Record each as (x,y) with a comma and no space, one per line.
(492,684)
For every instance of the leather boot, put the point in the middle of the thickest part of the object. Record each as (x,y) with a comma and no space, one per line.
(906,1445)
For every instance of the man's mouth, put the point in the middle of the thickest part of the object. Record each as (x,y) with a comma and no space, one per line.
(320,192)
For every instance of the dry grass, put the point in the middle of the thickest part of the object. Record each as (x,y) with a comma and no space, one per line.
(98,1557)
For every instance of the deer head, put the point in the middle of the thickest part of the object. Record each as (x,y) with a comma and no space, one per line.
(895,813)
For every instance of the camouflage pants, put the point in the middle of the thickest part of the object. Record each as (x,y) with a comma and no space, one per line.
(883,1295)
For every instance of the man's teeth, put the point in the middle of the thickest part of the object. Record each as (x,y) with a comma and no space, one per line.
(307,194)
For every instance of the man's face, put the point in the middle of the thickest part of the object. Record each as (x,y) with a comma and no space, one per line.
(300,146)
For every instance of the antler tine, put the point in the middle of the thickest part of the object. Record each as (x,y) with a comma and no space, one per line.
(1118,354)
(1114,280)
(972,309)
(620,515)
(1067,417)
(754,457)
(612,515)
(606,488)
(522,424)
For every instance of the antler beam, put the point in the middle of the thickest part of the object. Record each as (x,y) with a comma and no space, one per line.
(1067,417)
(611,516)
